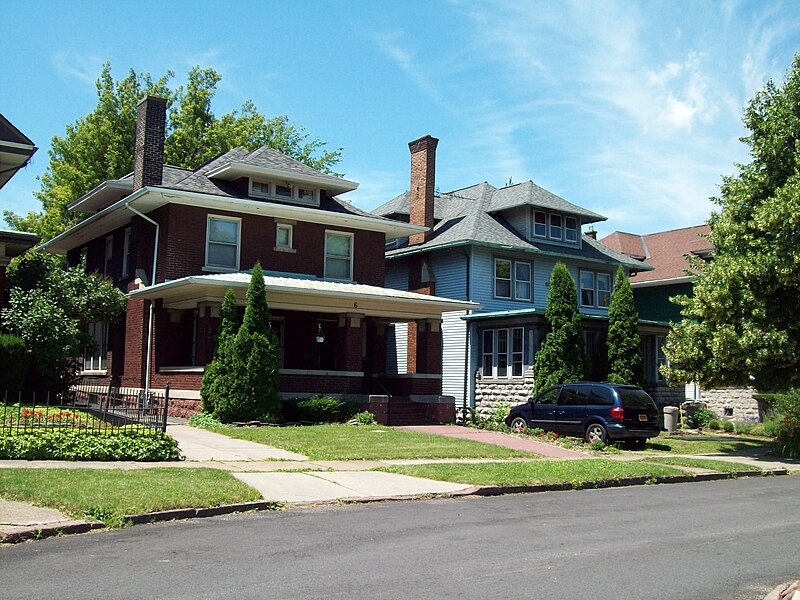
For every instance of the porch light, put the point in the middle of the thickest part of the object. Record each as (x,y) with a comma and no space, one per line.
(320,334)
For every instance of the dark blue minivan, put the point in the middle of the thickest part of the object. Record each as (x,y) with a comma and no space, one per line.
(595,411)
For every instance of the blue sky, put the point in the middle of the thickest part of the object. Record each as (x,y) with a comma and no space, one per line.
(630,109)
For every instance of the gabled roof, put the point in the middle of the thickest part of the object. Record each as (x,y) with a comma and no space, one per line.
(469,216)
(665,251)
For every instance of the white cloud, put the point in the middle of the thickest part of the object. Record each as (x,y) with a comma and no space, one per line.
(84,68)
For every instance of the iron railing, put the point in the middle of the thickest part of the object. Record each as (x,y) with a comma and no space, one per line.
(93,408)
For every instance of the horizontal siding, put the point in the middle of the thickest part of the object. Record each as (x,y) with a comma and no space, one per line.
(454,330)
(396,276)
(520,219)
(450,268)
(483,282)
(397,348)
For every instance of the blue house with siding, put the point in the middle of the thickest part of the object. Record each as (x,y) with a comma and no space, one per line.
(496,247)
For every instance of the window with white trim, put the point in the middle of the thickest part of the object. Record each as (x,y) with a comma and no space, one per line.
(661,357)
(223,239)
(283,235)
(284,190)
(595,289)
(571,229)
(513,280)
(95,355)
(539,223)
(503,352)
(338,255)
(109,259)
(126,252)
(555,226)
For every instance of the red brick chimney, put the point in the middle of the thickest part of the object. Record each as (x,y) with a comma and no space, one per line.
(423,182)
(151,121)
(592,234)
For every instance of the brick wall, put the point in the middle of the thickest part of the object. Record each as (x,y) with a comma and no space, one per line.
(407,386)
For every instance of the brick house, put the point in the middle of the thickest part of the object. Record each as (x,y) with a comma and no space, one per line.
(176,239)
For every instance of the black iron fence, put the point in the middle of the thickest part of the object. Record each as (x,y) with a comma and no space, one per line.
(93,408)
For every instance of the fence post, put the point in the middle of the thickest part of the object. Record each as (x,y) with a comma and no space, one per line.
(166,407)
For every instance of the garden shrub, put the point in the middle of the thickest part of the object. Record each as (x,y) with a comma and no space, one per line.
(495,420)
(771,423)
(788,434)
(364,418)
(75,444)
(203,420)
(715,424)
(16,362)
(727,426)
(758,429)
(699,417)
(318,409)
(744,427)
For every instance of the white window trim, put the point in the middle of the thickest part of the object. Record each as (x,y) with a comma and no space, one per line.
(273,195)
(661,341)
(108,256)
(510,278)
(550,227)
(593,288)
(533,228)
(609,291)
(223,268)
(509,353)
(529,282)
(575,229)
(126,250)
(352,253)
(288,227)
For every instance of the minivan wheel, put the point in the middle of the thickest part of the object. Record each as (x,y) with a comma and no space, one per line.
(519,424)
(596,433)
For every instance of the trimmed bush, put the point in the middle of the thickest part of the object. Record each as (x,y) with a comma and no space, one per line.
(771,423)
(700,417)
(146,446)
(318,409)
(727,426)
(744,427)
(715,424)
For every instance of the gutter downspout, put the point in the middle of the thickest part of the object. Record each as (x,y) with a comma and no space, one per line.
(467,286)
(152,282)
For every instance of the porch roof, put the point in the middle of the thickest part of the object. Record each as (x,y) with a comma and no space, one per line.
(305,293)
(526,312)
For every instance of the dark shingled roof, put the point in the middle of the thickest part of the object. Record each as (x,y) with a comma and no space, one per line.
(471,215)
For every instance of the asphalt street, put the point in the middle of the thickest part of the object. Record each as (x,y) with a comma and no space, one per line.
(727,539)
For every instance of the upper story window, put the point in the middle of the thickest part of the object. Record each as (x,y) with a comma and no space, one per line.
(555,226)
(223,238)
(571,229)
(512,279)
(540,223)
(126,252)
(284,191)
(109,259)
(595,289)
(283,236)
(338,255)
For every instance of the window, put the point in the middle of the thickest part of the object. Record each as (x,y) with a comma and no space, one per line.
(555,227)
(259,188)
(512,277)
(503,352)
(549,396)
(305,195)
(126,252)
(502,278)
(603,290)
(338,255)
(590,342)
(284,191)
(539,223)
(283,236)
(570,229)
(587,288)
(94,357)
(222,243)
(108,263)
(83,259)
(522,281)
(661,358)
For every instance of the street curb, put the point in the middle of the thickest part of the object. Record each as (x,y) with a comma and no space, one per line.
(14,535)
(199,513)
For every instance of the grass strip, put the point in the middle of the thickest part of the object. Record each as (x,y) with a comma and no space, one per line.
(718,466)
(576,472)
(109,494)
(707,444)
(350,442)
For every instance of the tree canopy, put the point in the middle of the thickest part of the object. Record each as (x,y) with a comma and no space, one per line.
(561,357)
(100,145)
(743,321)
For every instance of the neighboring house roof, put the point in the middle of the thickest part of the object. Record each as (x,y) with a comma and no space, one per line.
(15,150)
(293,291)
(14,243)
(469,216)
(665,251)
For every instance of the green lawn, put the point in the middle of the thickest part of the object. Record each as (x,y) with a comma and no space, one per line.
(719,466)
(350,442)
(706,444)
(108,494)
(577,472)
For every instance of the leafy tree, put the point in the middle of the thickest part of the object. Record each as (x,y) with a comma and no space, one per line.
(52,314)
(219,372)
(253,393)
(100,146)
(624,342)
(561,357)
(743,319)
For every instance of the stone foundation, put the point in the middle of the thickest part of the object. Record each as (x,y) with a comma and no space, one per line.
(739,400)
(492,393)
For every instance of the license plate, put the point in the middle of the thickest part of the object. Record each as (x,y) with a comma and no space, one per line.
(643,417)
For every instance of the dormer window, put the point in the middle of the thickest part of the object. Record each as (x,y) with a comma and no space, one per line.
(555,227)
(284,191)
(540,224)
(571,229)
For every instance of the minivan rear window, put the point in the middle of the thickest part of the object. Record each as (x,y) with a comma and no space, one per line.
(635,398)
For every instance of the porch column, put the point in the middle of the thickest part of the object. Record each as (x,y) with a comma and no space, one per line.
(428,347)
(207,325)
(136,318)
(350,343)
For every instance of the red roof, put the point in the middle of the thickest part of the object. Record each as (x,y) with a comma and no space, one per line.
(665,250)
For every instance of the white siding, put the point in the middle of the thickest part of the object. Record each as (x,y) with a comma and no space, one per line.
(396,348)
(454,331)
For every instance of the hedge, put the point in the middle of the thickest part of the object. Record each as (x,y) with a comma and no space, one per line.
(74,444)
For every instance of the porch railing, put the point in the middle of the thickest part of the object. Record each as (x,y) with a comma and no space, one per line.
(92,408)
